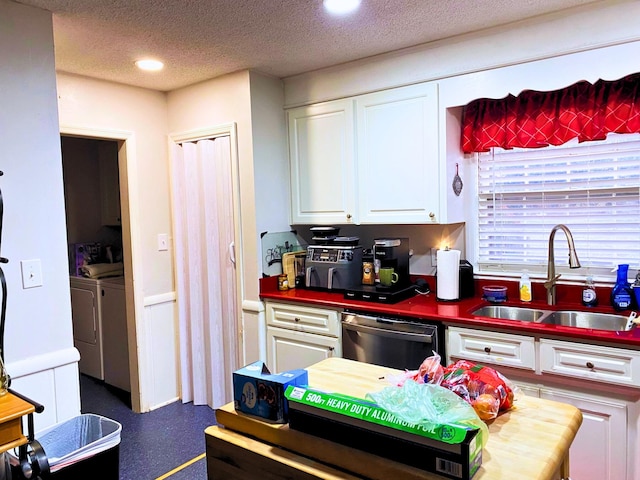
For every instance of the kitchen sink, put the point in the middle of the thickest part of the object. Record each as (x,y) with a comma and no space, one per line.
(511,313)
(567,318)
(599,321)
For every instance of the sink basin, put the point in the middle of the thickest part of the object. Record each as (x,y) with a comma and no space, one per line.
(599,321)
(511,313)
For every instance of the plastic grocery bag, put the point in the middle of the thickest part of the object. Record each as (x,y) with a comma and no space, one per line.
(486,389)
(429,405)
(429,371)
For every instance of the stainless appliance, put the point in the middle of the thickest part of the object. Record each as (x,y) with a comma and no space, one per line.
(391,342)
(333,267)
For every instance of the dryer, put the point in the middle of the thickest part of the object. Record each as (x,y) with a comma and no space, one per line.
(87,325)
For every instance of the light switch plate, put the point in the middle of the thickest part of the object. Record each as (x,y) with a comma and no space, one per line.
(31,273)
(163,242)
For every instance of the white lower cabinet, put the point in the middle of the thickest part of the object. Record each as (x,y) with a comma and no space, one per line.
(289,350)
(599,451)
(598,380)
(299,336)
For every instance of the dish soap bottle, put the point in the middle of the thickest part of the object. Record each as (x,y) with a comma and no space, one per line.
(589,297)
(525,287)
(621,293)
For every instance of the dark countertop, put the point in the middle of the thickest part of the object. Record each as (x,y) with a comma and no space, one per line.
(426,307)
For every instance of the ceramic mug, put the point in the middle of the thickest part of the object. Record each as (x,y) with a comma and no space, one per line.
(387,276)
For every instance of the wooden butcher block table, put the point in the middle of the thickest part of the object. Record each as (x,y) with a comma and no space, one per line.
(12,409)
(530,441)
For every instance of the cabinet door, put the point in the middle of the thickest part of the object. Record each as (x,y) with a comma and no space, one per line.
(109,187)
(114,338)
(289,350)
(397,151)
(86,331)
(321,152)
(599,450)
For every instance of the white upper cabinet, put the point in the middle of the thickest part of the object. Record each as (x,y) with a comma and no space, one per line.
(321,152)
(369,159)
(109,190)
(397,155)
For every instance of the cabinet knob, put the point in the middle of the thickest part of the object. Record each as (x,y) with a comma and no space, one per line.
(348,216)
(296,319)
(432,215)
(590,365)
(331,349)
(487,349)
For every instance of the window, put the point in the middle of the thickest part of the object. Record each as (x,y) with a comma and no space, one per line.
(592,187)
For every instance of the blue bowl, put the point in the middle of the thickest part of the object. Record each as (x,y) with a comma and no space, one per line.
(495,293)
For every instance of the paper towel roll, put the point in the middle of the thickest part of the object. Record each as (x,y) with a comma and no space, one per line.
(448,275)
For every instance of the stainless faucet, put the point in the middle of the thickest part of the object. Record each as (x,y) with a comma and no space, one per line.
(550,284)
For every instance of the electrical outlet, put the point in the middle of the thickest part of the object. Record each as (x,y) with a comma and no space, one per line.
(434,257)
(31,273)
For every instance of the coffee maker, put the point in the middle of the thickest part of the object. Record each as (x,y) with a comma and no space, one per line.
(393,253)
(387,252)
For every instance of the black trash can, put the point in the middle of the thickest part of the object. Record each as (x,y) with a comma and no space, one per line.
(86,446)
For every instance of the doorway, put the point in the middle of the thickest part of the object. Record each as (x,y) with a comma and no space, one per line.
(204,172)
(97,260)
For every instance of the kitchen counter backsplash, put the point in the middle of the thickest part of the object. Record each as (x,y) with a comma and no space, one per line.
(459,312)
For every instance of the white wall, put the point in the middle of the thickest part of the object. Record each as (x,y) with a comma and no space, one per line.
(96,108)
(573,30)
(38,340)
(221,101)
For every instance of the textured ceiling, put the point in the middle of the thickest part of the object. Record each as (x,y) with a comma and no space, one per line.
(203,39)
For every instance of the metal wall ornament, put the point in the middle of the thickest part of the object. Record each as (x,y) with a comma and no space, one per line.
(457,183)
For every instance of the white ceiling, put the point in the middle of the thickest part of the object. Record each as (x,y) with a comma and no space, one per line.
(203,39)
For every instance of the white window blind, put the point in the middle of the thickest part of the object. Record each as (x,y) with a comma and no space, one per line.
(593,188)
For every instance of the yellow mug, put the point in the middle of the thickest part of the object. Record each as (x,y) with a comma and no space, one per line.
(387,276)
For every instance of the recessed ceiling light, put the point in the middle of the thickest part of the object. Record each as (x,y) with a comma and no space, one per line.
(341,6)
(150,65)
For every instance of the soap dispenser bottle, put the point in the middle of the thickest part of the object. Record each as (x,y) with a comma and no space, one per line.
(621,293)
(589,297)
(525,287)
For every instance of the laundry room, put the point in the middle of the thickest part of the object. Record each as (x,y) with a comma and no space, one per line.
(94,237)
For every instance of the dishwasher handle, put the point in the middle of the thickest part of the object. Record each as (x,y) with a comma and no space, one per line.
(425,337)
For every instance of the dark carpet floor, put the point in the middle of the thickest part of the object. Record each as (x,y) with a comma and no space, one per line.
(154,443)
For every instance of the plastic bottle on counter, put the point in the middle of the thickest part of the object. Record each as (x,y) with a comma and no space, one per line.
(621,293)
(525,287)
(589,297)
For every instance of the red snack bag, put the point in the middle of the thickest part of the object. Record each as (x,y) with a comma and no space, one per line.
(484,388)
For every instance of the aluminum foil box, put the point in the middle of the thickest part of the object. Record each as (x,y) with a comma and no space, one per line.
(256,391)
(452,451)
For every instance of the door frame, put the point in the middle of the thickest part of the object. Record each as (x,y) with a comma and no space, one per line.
(129,205)
(222,130)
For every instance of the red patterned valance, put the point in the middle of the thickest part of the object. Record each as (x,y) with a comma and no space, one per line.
(536,119)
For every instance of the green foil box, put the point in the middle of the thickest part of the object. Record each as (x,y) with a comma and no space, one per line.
(453,451)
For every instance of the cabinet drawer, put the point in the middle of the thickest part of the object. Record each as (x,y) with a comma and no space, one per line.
(290,350)
(492,347)
(593,362)
(304,319)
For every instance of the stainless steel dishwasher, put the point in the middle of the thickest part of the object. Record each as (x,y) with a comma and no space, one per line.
(390,341)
